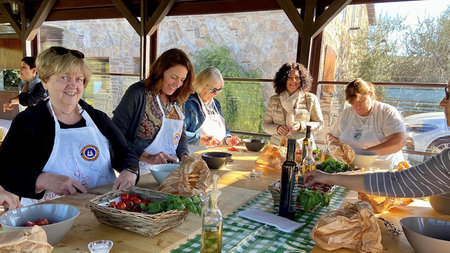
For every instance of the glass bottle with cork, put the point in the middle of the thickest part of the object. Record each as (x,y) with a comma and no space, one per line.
(212,222)
(326,152)
(288,171)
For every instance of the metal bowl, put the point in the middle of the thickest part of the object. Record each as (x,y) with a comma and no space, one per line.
(161,171)
(216,160)
(427,235)
(254,145)
(62,216)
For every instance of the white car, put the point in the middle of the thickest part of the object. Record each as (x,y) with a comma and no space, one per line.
(427,132)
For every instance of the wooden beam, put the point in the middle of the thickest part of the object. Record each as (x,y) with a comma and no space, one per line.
(328,15)
(219,7)
(128,14)
(39,18)
(158,15)
(307,32)
(9,36)
(292,13)
(82,14)
(6,13)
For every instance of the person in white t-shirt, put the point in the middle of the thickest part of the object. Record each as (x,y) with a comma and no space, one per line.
(370,125)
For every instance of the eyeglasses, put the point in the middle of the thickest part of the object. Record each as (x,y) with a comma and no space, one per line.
(214,90)
(447,94)
(64,51)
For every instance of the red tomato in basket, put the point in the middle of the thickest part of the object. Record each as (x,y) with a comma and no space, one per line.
(113,204)
(124,197)
(129,204)
(137,209)
(146,201)
(133,196)
(314,188)
(233,149)
(121,206)
(29,224)
(137,201)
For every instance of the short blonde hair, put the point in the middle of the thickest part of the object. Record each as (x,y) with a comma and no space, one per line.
(207,78)
(52,62)
(357,89)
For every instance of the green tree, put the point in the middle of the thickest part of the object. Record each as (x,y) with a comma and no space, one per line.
(242,102)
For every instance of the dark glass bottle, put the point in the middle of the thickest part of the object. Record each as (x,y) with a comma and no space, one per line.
(306,142)
(288,170)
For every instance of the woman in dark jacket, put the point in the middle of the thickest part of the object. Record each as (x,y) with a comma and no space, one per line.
(149,114)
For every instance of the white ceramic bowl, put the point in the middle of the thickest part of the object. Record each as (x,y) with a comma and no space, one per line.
(62,216)
(364,159)
(427,235)
(161,171)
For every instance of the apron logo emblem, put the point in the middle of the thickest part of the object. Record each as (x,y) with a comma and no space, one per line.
(176,139)
(89,152)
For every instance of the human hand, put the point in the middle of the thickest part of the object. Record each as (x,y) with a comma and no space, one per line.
(159,158)
(59,184)
(283,130)
(315,177)
(125,179)
(9,200)
(7,107)
(184,157)
(206,139)
(233,141)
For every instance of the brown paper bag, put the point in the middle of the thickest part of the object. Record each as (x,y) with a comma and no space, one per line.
(342,152)
(352,227)
(33,240)
(380,204)
(191,178)
(272,156)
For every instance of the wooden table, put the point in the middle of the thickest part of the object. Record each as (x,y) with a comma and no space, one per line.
(236,189)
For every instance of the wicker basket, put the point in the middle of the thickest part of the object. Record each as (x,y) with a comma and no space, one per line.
(274,189)
(141,223)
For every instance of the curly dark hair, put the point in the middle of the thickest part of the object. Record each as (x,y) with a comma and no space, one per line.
(281,77)
(165,61)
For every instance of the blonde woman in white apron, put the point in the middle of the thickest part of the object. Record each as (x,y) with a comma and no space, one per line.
(149,115)
(371,125)
(205,125)
(69,142)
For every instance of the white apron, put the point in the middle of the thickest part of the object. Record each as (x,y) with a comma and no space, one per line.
(214,125)
(361,134)
(166,140)
(79,153)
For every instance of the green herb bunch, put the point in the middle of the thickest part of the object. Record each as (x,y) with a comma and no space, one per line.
(309,198)
(332,166)
(172,202)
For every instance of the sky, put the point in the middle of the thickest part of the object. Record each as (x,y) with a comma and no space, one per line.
(412,10)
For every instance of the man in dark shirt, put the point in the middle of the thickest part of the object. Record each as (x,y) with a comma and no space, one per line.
(31,89)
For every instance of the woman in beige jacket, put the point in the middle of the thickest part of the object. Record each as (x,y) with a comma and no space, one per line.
(293,107)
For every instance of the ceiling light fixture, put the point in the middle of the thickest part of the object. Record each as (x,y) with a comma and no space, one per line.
(15,8)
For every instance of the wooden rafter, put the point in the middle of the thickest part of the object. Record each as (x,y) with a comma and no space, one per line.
(158,15)
(8,16)
(307,31)
(292,13)
(39,18)
(128,14)
(328,15)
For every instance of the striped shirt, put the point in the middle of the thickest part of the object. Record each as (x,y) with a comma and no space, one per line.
(429,178)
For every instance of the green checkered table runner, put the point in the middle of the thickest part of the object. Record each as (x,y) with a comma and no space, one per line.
(243,235)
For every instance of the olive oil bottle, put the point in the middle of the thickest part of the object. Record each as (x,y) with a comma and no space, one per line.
(288,171)
(212,222)
(306,142)
(309,163)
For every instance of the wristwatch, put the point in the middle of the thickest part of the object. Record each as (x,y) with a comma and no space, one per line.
(135,171)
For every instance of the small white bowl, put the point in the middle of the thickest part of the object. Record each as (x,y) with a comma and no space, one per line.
(427,235)
(364,158)
(100,246)
(161,171)
(62,216)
